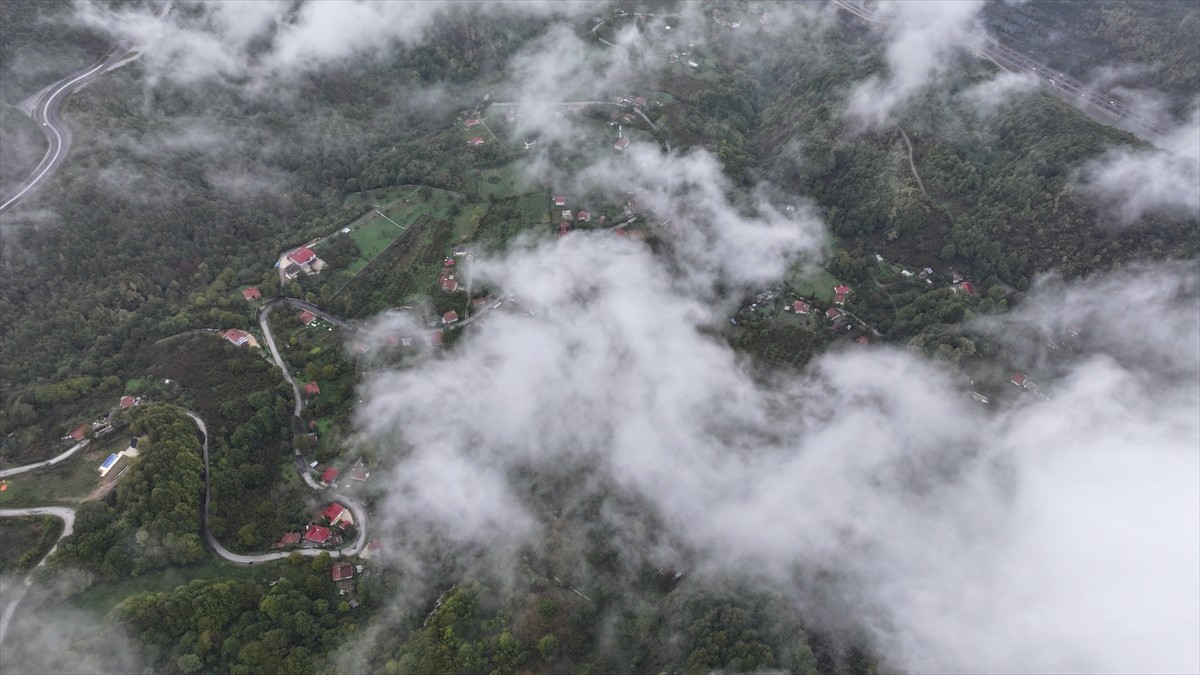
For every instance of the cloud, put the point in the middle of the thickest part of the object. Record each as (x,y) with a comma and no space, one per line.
(1045,535)
(262,43)
(1129,183)
(923,36)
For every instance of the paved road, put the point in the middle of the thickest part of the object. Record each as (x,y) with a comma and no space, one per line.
(45,114)
(41,465)
(68,518)
(1060,83)
(264,323)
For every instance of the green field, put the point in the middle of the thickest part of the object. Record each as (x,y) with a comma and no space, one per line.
(65,483)
(408,268)
(815,286)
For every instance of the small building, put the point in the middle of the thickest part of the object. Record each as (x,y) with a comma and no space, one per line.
(833,313)
(312,388)
(307,317)
(292,270)
(478,140)
(567,215)
(342,571)
(560,200)
(78,433)
(450,317)
(251,293)
(693,64)
(336,514)
(967,287)
(448,262)
(128,402)
(237,337)
(108,464)
(373,549)
(1019,380)
(639,101)
(801,307)
(316,534)
(583,216)
(839,294)
(302,256)
(530,142)
(449,284)
(621,144)
(471,121)
(329,475)
(289,539)
(359,473)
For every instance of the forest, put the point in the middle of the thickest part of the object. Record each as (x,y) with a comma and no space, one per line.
(116,273)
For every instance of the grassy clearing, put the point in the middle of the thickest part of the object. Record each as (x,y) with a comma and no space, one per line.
(817,286)
(409,267)
(26,540)
(65,483)
(104,596)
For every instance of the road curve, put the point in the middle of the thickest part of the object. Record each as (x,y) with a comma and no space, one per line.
(41,465)
(58,136)
(68,518)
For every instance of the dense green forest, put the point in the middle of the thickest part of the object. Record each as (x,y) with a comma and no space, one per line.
(175,197)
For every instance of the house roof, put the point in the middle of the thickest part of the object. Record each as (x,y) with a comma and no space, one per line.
(841,289)
(560,200)
(839,298)
(330,475)
(1018,379)
(448,262)
(79,432)
(800,307)
(302,255)
(128,402)
(450,317)
(236,336)
(342,571)
(312,388)
(334,511)
(584,216)
(449,285)
(359,473)
(307,317)
(251,293)
(316,533)
(472,121)
(968,287)
(290,538)
(833,313)
(478,140)
(621,143)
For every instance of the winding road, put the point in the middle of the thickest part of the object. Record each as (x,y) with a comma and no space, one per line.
(41,465)
(45,114)
(64,514)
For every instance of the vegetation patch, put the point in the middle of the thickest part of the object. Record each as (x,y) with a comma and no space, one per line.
(26,540)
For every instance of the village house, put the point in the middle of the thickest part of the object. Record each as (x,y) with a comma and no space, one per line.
(330,475)
(583,216)
(251,293)
(839,294)
(450,317)
(359,473)
(289,539)
(478,140)
(833,314)
(1019,380)
(560,200)
(237,337)
(128,402)
(373,549)
(77,434)
(312,389)
(621,144)
(317,534)
(337,514)
(307,317)
(801,307)
(342,571)
(303,259)
(471,121)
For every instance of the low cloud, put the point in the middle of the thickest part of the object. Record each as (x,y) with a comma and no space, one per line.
(923,37)
(1127,183)
(963,539)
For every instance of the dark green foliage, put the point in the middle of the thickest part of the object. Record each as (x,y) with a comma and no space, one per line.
(26,541)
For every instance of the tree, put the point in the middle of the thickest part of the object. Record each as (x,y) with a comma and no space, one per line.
(548,647)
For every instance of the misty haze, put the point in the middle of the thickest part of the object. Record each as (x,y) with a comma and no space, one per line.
(742,336)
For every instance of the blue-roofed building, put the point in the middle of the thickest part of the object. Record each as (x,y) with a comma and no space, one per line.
(109,464)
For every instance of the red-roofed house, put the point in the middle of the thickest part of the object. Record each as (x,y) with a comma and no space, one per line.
(252,293)
(450,317)
(1018,379)
(801,307)
(449,284)
(342,571)
(79,432)
(478,140)
(839,294)
(471,121)
(312,388)
(307,317)
(330,475)
(968,287)
(639,101)
(621,144)
(620,231)
(302,256)
(563,228)
(359,473)
(583,216)
(560,200)
(128,402)
(833,313)
(336,513)
(316,534)
(237,337)
(448,262)
(290,539)
(373,549)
